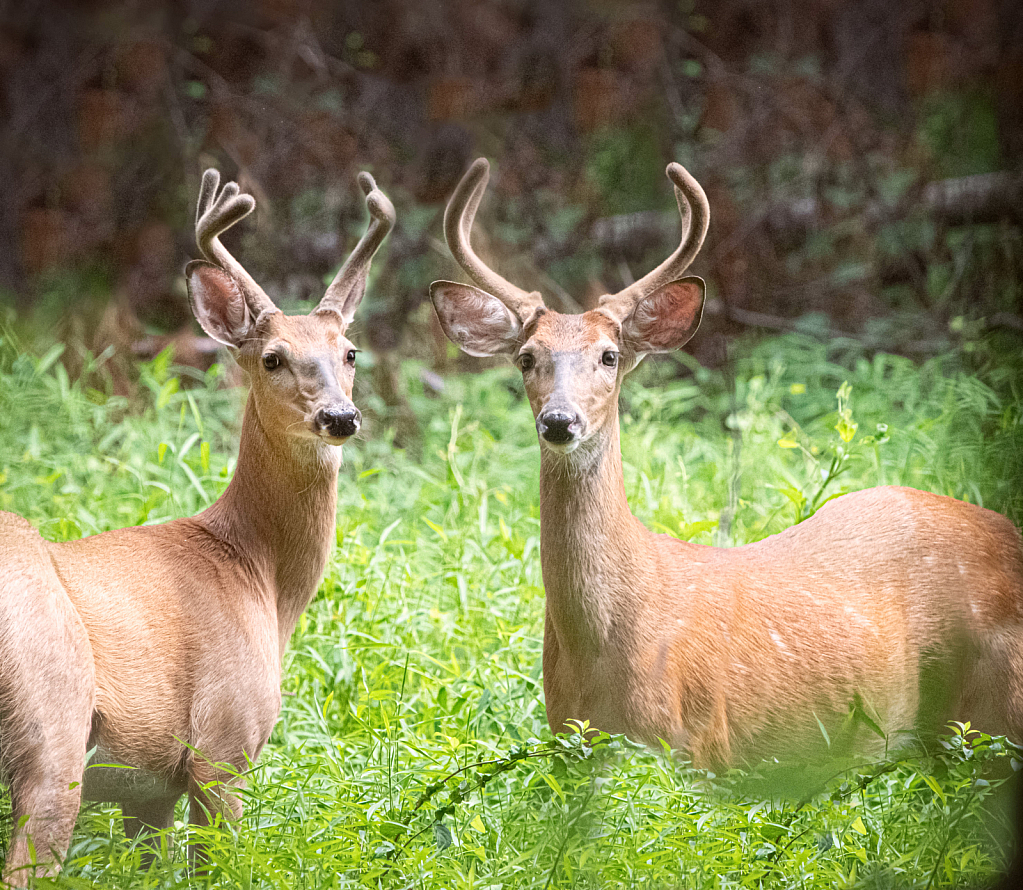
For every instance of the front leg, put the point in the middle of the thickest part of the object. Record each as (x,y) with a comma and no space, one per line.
(226,744)
(211,790)
(143,819)
(556,702)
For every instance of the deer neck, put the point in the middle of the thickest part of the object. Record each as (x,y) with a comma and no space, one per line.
(279,514)
(592,548)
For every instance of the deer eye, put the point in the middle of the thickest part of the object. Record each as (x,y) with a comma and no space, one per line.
(271,361)
(526,361)
(609,358)
(350,358)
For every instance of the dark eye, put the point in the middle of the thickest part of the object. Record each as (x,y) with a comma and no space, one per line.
(609,358)
(526,361)
(350,358)
(271,361)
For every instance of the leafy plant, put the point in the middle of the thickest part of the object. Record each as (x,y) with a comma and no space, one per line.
(412,748)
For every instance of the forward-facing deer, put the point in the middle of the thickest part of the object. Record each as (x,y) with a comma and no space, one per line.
(896,604)
(161,646)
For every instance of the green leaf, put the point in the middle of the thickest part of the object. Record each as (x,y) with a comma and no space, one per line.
(166,392)
(438,529)
(555,786)
(195,413)
(442,836)
(935,787)
(795,495)
(49,359)
(846,426)
(824,732)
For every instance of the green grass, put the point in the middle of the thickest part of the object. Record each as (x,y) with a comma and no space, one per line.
(412,749)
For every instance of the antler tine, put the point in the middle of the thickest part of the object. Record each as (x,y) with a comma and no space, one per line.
(207,192)
(458,219)
(214,215)
(356,268)
(694,209)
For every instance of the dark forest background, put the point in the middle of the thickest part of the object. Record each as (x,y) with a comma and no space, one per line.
(864,160)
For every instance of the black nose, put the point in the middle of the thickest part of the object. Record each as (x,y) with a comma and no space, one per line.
(557,426)
(340,424)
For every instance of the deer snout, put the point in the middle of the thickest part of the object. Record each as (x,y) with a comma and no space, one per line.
(557,426)
(339,423)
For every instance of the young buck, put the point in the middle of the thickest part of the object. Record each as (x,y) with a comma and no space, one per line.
(161,646)
(894,606)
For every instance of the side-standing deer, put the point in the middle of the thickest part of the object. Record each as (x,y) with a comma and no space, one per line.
(161,646)
(890,604)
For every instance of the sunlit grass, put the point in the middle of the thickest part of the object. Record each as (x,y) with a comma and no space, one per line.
(421,655)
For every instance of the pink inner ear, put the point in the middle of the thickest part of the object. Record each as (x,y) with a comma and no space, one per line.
(666,317)
(223,298)
(474,320)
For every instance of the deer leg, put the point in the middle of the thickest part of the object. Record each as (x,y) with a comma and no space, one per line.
(44,762)
(143,819)
(46,703)
(210,791)
(44,812)
(993,695)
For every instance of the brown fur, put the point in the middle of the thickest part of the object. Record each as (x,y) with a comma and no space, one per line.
(889,606)
(903,604)
(162,645)
(733,653)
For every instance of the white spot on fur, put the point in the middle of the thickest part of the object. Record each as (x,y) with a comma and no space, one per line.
(778,641)
(859,619)
(854,615)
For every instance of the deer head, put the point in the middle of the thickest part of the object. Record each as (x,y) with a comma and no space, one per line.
(301,367)
(572,365)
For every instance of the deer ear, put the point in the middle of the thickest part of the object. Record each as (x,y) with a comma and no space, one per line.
(218,303)
(353,300)
(665,319)
(475,321)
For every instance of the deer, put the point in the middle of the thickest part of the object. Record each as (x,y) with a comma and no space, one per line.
(159,648)
(889,611)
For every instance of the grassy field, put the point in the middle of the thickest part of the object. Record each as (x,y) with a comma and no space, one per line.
(412,749)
